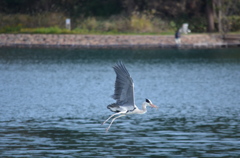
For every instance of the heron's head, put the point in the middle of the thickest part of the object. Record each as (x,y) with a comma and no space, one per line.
(149,103)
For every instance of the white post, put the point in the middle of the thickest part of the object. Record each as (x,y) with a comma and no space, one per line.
(68,24)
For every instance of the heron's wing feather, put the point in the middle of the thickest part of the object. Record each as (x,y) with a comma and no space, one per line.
(124,87)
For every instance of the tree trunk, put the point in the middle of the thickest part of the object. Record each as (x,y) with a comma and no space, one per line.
(220,27)
(210,16)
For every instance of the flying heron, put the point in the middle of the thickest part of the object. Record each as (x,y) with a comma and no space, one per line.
(124,96)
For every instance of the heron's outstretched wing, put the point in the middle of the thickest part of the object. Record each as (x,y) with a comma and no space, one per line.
(124,87)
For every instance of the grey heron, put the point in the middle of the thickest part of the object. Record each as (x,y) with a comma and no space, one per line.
(124,96)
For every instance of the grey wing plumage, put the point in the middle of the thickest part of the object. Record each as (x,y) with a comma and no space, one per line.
(124,87)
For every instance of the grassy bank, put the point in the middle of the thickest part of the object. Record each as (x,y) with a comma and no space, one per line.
(57,30)
(144,23)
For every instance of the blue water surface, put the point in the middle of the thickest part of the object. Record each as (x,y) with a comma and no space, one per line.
(53,102)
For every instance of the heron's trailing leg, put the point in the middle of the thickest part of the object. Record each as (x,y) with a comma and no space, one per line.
(113,115)
(112,121)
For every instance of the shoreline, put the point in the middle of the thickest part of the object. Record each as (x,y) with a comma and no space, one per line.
(191,41)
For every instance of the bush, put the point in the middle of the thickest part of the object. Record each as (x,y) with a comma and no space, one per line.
(136,23)
(141,23)
(11,29)
(234,23)
(33,21)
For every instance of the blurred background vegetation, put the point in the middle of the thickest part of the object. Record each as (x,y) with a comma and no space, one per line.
(119,16)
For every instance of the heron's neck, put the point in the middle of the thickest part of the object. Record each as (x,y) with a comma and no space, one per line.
(144,107)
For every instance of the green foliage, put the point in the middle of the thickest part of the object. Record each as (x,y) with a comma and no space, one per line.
(32,21)
(136,23)
(48,30)
(234,22)
(89,24)
(198,24)
(11,29)
(173,24)
(141,23)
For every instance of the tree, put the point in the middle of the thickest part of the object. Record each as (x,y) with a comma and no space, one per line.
(224,10)
(210,16)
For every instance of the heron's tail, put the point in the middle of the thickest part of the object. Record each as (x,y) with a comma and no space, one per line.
(114,107)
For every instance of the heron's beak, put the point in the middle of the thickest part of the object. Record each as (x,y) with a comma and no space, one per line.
(154,106)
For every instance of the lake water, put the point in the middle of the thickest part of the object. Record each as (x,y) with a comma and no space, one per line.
(53,102)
